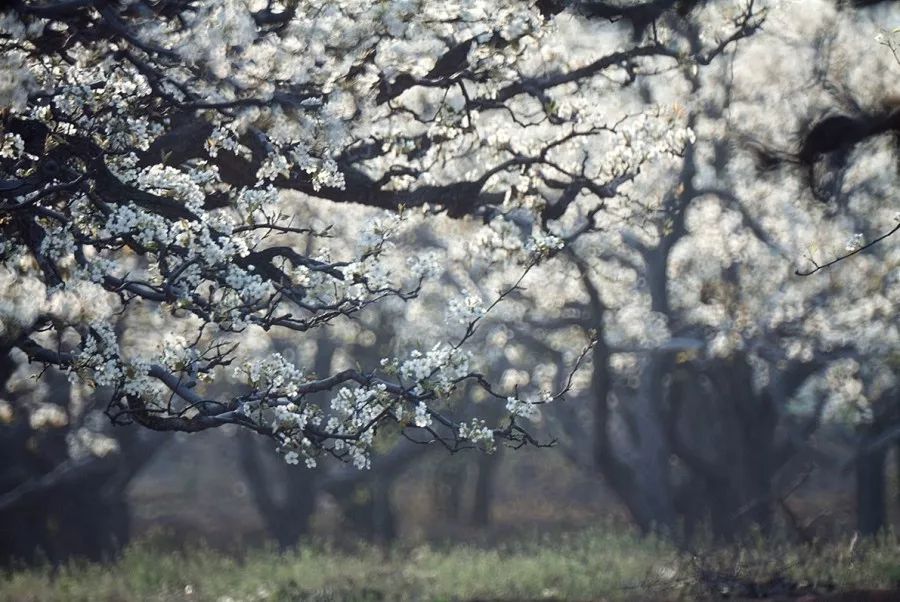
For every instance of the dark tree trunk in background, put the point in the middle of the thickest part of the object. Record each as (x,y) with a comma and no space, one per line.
(897,468)
(485,486)
(871,463)
(365,496)
(724,432)
(286,513)
(384,522)
(644,489)
(53,507)
(367,507)
(653,471)
(751,421)
(447,486)
(870,490)
(642,484)
(77,509)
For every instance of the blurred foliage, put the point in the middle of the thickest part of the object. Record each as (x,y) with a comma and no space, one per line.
(595,564)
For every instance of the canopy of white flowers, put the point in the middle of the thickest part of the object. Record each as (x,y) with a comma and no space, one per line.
(155,157)
(146,147)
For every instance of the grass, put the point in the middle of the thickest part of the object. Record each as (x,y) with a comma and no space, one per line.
(593,565)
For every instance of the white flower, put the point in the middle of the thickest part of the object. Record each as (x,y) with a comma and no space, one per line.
(11,146)
(439,369)
(855,242)
(542,244)
(524,409)
(467,309)
(477,432)
(423,418)
(425,266)
(274,375)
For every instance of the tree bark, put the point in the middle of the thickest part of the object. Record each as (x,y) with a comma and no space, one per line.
(54,507)
(870,490)
(485,481)
(286,519)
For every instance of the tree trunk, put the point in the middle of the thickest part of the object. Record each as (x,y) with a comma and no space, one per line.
(724,432)
(645,488)
(53,507)
(870,491)
(447,483)
(369,511)
(286,519)
(384,523)
(485,482)
(77,509)
(365,496)
(897,468)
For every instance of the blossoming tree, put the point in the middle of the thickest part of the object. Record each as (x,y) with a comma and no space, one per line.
(180,184)
(147,148)
(716,360)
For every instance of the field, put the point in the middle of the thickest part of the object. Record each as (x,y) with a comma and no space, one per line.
(592,565)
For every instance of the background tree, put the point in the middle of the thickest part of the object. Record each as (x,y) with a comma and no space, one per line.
(715,361)
(187,197)
(145,148)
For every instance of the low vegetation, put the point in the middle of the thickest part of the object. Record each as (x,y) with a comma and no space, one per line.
(591,565)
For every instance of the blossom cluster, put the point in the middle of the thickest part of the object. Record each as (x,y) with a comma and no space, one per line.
(191,151)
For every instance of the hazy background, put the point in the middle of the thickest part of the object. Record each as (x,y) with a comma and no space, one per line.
(728,396)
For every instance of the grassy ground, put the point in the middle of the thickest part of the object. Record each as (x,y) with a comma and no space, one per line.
(588,566)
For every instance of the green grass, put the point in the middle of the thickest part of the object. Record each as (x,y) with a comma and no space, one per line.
(588,566)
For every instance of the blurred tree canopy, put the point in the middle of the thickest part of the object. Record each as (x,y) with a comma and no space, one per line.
(514,202)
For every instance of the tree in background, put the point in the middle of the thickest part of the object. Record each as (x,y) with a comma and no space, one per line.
(186,191)
(715,361)
(146,147)
(148,246)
